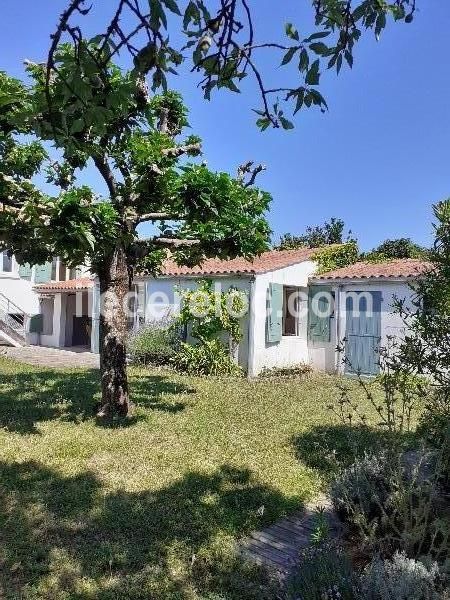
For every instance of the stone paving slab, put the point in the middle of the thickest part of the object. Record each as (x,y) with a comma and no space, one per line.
(278,547)
(52,358)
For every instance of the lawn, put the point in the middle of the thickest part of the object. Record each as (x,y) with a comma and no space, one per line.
(150,508)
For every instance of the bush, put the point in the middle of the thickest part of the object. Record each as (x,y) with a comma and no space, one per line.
(392,503)
(300,370)
(362,487)
(400,578)
(435,428)
(324,573)
(155,343)
(209,357)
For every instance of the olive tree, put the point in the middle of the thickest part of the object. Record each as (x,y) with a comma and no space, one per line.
(108,119)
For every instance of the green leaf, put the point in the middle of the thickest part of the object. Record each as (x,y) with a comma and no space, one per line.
(349,58)
(157,14)
(263,123)
(319,48)
(292,32)
(191,14)
(172,6)
(77,126)
(300,98)
(317,36)
(313,75)
(359,12)
(380,24)
(289,56)
(286,124)
(317,98)
(304,60)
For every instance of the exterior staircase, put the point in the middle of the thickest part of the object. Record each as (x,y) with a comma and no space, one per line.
(13,323)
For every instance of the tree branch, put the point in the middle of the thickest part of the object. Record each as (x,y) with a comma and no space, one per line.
(158,216)
(107,174)
(180,150)
(172,242)
(245,169)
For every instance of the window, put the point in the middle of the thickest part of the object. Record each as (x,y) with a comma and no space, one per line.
(53,273)
(6,262)
(47,310)
(62,271)
(291,306)
(73,273)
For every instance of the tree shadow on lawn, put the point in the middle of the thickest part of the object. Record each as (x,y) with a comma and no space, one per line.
(27,398)
(328,448)
(60,533)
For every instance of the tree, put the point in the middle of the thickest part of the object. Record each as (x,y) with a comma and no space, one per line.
(331,232)
(221,35)
(134,141)
(398,248)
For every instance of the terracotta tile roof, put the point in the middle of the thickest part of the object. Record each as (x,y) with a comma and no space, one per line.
(83,283)
(268,261)
(397,269)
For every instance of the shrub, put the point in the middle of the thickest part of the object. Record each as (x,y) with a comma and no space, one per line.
(300,370)
(323,573)
(210,357)
(155,343)
(392,503)
(435,427)
(400,578)
(362,487)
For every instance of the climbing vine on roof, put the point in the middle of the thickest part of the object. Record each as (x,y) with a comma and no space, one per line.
(334,257)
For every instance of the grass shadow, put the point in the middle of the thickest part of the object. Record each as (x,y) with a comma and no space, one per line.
(328,448)
(68,535)
(30,395)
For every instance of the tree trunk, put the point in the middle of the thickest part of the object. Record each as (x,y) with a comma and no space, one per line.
(114,287)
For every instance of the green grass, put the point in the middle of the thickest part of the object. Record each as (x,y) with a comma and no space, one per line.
(149,508)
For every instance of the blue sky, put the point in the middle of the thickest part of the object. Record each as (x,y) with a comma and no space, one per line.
(378,159)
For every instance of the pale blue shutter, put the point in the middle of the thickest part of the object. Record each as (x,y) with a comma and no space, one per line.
(25,271)
(319,324)
(275,313)
(43,273)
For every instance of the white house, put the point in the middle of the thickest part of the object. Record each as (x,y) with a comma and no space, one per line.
(282,327)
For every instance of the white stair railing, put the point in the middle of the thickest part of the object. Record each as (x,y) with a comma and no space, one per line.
(13,316)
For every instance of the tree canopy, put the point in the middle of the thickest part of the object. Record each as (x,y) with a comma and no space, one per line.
(331,232)
(219,39)
(396,248)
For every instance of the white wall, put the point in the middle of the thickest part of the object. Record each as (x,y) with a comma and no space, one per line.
(323,356)
(291,350)
(19,290)
(163,300)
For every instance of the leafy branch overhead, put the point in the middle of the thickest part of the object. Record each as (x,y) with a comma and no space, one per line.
(220,42)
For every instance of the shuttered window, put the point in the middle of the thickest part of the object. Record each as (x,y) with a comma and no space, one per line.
(275,313)
(25,271)
(319,313)
(6,262)
(43,273)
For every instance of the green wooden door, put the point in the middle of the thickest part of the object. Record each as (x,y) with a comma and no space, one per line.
(363,333)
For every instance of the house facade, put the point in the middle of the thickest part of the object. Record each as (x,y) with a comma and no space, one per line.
(294,316)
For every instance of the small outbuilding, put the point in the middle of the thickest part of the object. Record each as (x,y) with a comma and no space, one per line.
(364,316)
